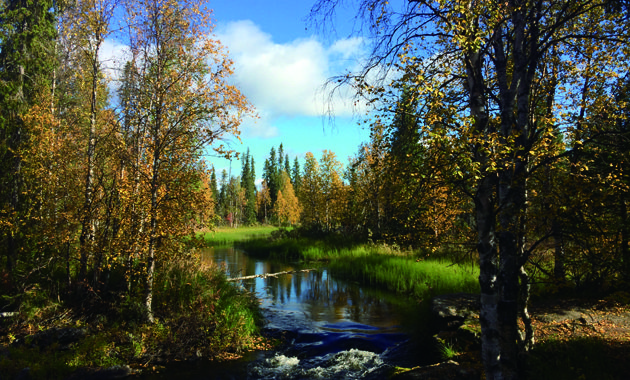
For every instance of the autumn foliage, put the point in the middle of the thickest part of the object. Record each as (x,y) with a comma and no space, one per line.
(107,178)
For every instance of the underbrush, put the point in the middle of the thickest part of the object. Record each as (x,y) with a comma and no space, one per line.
(579,358)
(198,315)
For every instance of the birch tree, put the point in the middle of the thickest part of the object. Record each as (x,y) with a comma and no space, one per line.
(476,66)
(86,26)
(185,105)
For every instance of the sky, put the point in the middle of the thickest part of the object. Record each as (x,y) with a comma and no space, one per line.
(281,65)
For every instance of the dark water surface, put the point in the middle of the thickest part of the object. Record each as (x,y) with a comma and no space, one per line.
(333,329)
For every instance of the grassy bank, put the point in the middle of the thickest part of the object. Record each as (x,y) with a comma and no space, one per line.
(405,272)
(198,315)
(228,236)
(422,279)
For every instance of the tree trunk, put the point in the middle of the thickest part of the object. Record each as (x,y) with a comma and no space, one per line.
(87,224)
(488,271)
(625,238)
(485,205)
(512,201)
(153,238)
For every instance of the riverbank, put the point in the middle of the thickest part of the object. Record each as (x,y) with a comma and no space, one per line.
(199,316)
(577,336)
(403,271)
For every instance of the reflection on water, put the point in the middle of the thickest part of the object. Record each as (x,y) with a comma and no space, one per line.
(334,328)
(315,298)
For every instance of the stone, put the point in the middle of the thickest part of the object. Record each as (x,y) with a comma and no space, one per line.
(111,373)
(62,336)
(452,310)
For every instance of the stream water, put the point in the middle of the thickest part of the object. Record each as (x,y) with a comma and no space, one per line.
(333,329)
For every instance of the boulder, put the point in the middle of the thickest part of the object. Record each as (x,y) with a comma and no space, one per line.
(452,310)
(62,336)
(111,373)
(456,321)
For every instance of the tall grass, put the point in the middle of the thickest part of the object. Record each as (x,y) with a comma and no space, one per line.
(213,315)
(405,272)
(227,235)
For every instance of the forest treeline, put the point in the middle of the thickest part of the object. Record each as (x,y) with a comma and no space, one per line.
(402,189)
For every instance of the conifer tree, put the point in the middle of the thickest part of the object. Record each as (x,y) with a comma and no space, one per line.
(248,183)
(296,178)
(27,64)
(215,190)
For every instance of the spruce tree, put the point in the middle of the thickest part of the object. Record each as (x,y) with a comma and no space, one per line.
(296,178)
(248,183)
(27,64)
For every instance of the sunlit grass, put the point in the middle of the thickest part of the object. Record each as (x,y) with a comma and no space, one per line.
(227,235)
(377,265)
(405,274)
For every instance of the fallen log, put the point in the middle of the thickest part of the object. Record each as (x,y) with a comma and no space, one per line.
(265,275)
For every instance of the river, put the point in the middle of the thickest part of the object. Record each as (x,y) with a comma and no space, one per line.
(333,329)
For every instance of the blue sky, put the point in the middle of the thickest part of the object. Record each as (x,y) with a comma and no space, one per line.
(281,65)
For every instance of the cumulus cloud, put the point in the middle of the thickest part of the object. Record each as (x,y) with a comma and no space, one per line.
(288,79)
(113,55)
(280,80)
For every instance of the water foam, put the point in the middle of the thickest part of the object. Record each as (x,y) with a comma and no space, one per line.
(277,367)
(350,364)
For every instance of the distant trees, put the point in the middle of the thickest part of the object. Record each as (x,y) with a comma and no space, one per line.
(248,183)
(310,195)
(287,208)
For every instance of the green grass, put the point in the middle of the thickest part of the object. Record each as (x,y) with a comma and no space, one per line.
(405,274)
(227,235)
(383,266)
(446,350)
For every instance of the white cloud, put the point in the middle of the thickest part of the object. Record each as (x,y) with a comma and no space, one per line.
(258,127)
(113,55)
(347,47)
(287,79)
